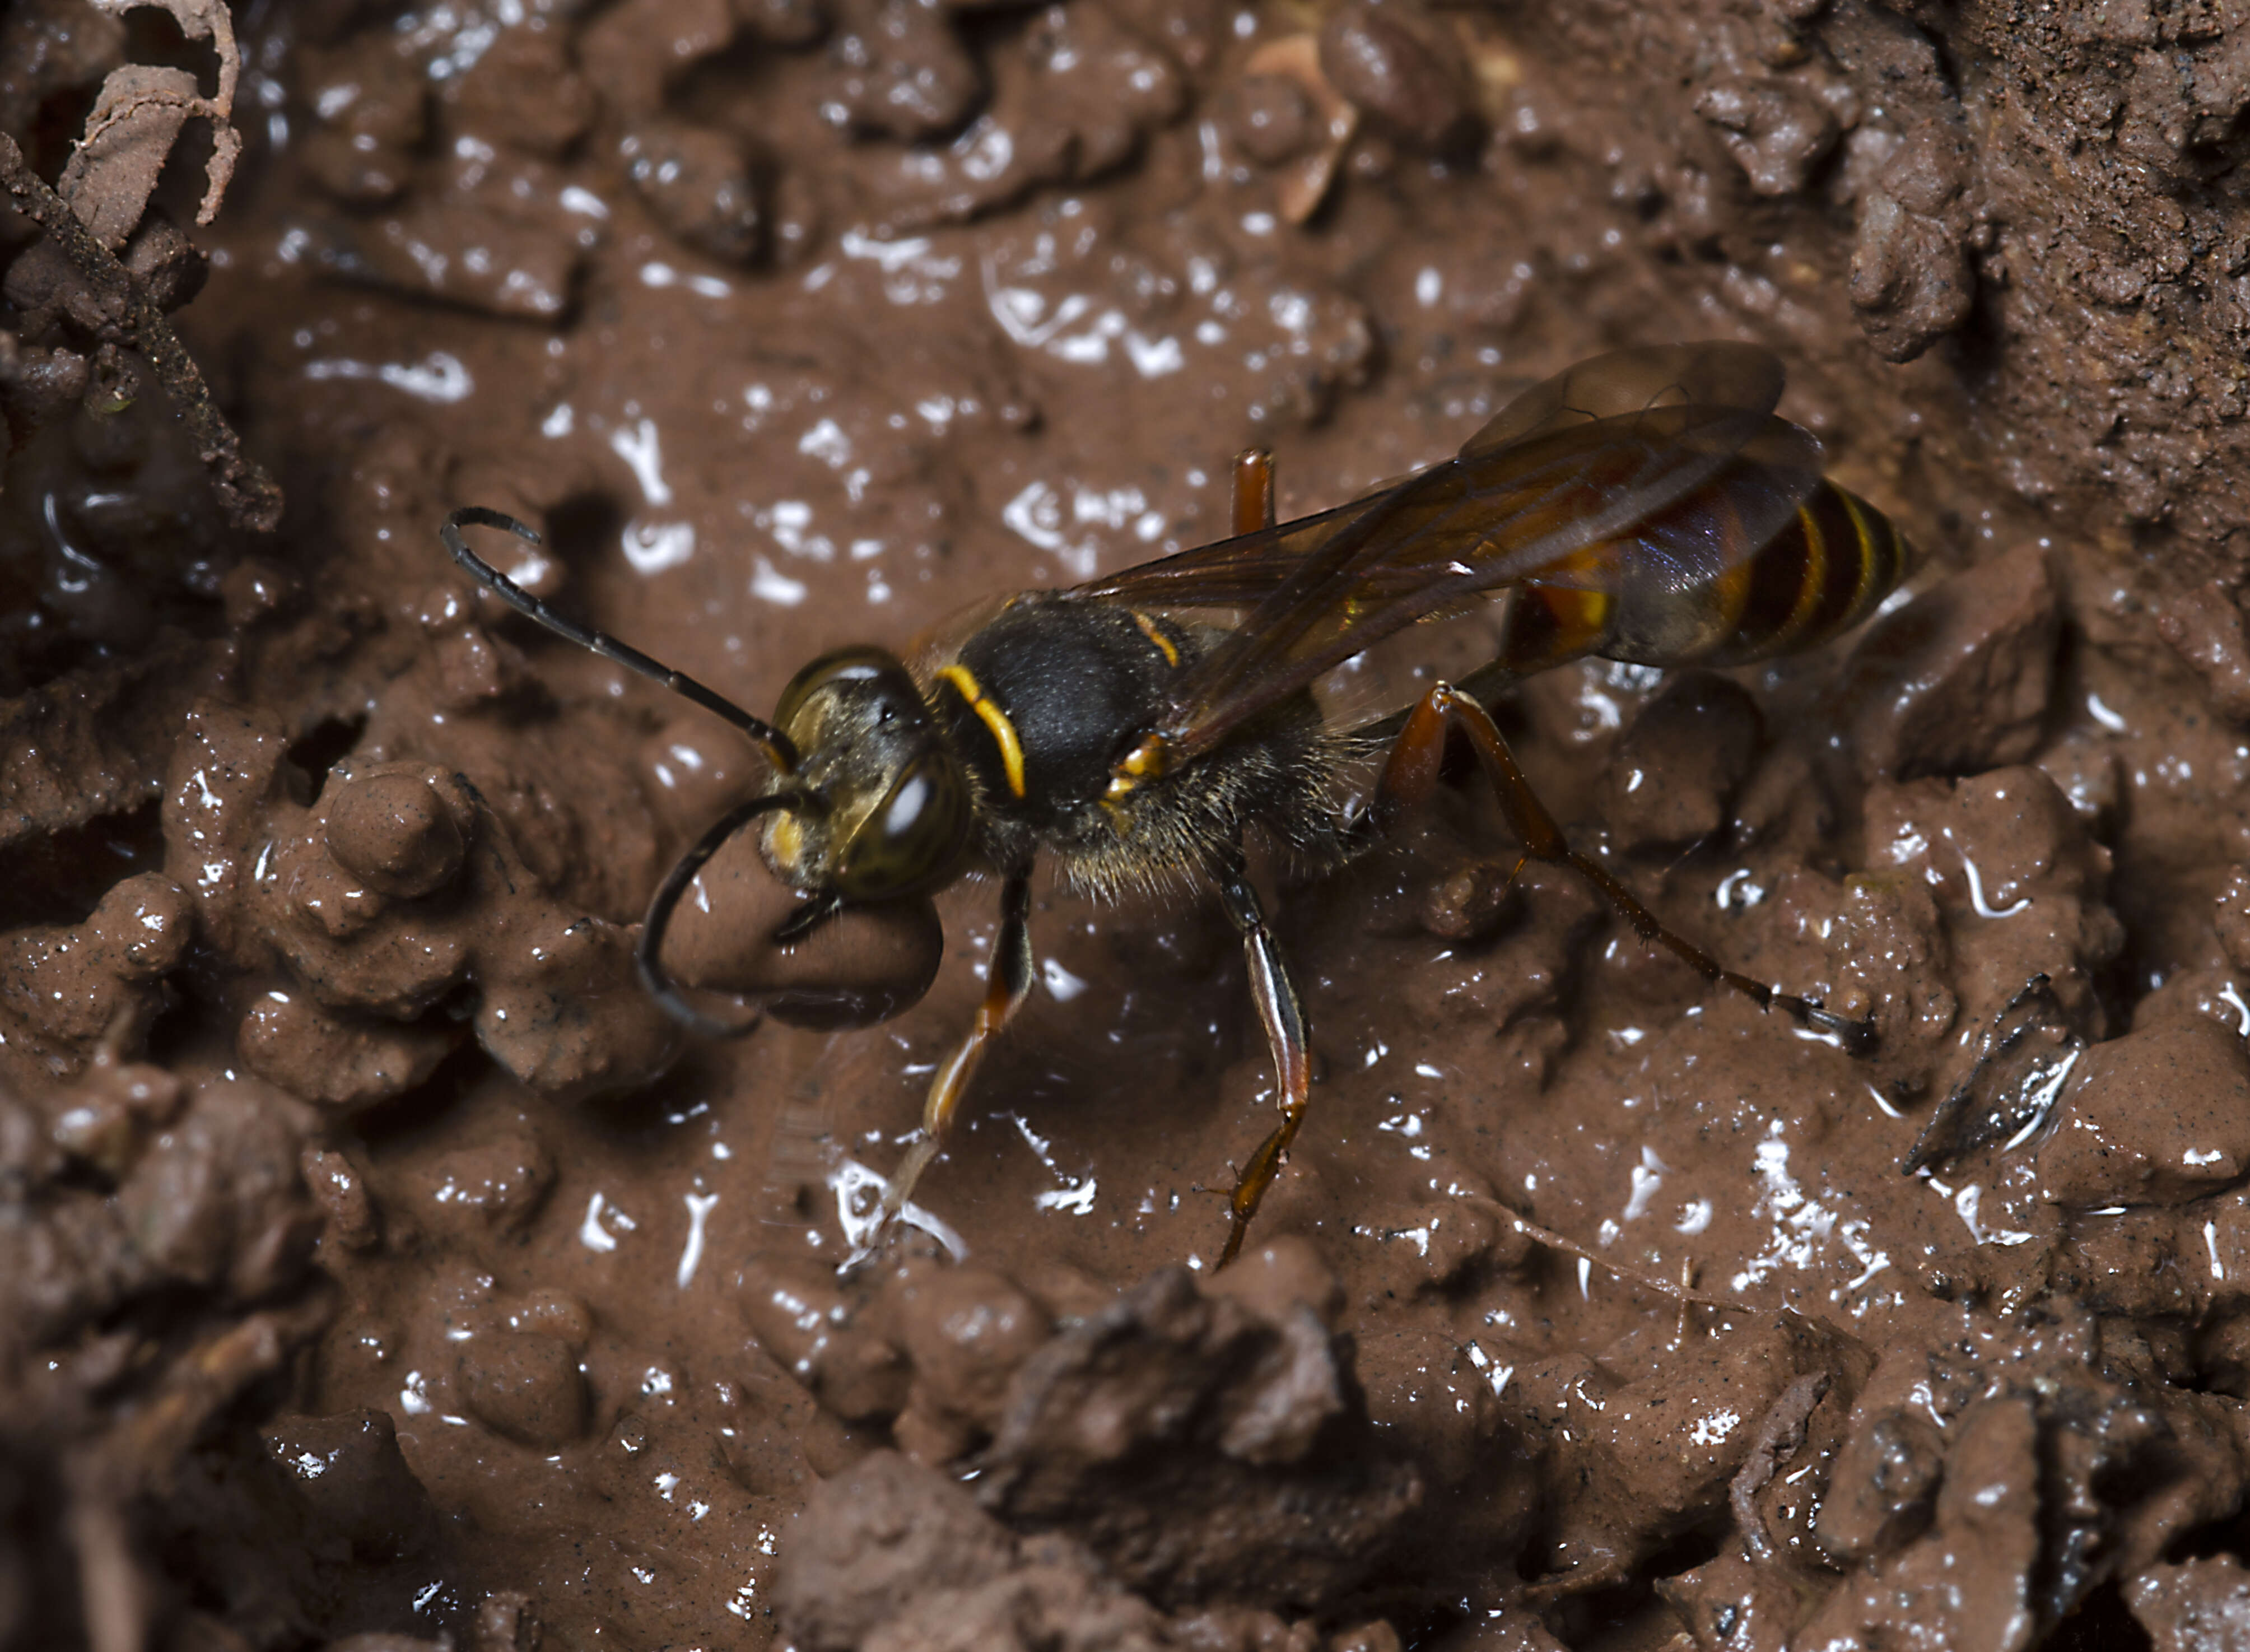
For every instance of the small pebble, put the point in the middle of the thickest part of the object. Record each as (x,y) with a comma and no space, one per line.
(703,187)
(1466,904)
(524,1386)
(967,1329)
(1272,119)
(1394,69)
(804,1320)
(391,829)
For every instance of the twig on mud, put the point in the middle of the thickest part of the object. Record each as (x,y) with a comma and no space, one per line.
(1778,1437)
(1681,1294)
(251,497)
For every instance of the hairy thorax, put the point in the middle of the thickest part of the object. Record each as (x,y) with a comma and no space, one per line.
(1040,704)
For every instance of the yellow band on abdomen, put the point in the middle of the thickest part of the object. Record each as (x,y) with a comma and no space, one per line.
(1004,732)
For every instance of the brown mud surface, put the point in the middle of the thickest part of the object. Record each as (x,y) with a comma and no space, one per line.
(379,1267)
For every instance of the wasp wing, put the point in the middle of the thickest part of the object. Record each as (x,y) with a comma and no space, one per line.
(1713,374)
(1239,572)
(1247,568)
(1661,499)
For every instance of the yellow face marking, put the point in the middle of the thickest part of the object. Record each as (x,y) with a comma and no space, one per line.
(785,838)
(1163,643)
(1004,732)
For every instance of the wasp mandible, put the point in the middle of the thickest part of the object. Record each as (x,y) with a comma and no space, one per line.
(1648,505)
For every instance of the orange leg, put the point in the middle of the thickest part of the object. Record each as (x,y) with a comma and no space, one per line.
(1410,774)
(1008,981)
(1253,490)
(1284,1020)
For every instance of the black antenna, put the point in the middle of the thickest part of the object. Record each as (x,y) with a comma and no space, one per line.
(649,954)
(778,749)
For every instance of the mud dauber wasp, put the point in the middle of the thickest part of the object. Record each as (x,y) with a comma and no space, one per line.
(1648,505)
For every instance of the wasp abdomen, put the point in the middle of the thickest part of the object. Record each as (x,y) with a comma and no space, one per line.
(1824,572)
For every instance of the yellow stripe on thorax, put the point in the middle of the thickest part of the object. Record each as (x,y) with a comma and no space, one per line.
(1004,732)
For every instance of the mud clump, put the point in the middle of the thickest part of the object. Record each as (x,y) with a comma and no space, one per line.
(1177,1451)
(1201,1448)
(875,1539)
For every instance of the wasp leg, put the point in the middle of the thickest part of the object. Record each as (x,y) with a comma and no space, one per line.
(1253,490)
(1006,984)
(1285,1035)
(1410,774)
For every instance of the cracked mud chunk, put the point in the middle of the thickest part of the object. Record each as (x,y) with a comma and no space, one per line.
(1186,1439)
(489,231)
(2156,1117)
(1647,1440)
(212,1207)
(97,981)
(2197,1606)
(703,184)
(1777,129)
(1881,1487)
(340,1062)
(370,104)
(489,1187)
(966,1330)
(2204,627)
(1076,98)
(1968,1582)
(632,52)
(839,1347)
(871,1538)
(900,70)
(524,91)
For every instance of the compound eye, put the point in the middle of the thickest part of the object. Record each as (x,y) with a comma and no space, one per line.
(865,666)
(912,838)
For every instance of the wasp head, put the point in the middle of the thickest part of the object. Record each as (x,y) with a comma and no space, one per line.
(897,814)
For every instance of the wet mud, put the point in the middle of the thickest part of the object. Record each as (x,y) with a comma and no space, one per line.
(380,1267)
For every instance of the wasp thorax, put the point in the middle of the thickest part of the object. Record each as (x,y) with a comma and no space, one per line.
(898,817)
